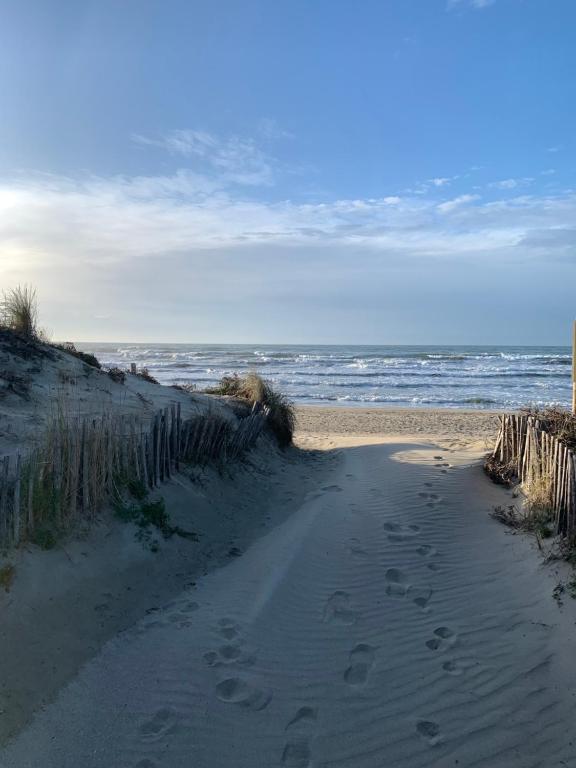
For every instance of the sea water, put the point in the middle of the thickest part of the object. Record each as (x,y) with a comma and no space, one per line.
(403,376)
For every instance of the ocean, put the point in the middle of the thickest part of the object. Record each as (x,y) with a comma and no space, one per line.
(402,376)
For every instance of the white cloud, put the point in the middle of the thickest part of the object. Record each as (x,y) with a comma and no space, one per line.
(236,160)
(511,183)
(102,221)
(457,202)
(478,4)
(186,244)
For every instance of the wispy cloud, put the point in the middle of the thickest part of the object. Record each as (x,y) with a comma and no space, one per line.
(511,183)
(237,160)
(192,247)
(95,220)
(451,205)
(477,4)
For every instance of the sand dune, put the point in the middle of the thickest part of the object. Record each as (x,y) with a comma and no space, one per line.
(387,622)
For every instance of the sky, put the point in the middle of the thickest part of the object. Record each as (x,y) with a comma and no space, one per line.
(298,171)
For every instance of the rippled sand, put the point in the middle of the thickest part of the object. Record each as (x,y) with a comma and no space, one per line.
(388,621)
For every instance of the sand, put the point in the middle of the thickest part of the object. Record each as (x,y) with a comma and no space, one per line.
(380,618)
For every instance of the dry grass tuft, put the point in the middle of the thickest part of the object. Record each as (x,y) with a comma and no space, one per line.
(539,491)
(86,357)
(557,421)
(144,373)
(20,311)
(255,389)
(117,375)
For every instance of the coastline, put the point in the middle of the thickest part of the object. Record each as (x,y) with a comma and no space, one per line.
(468,425)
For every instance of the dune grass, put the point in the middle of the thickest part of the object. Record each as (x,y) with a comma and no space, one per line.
(70,349)
(254,389)
(557,421)
(19,311)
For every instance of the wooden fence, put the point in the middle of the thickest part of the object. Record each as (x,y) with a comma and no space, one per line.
(80,464)
(537,458)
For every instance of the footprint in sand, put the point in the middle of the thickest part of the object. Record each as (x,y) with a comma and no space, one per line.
(181,617)
(426,550)
(334,488)
(228,655)
(234,690)
(421,597)
(397,532)
(304,717)
(396,585)
(231,651)
(228,628)
(444,638)
(430,731)
(297,754)
(361,662)
(338,610)
(454,667)
(163,723)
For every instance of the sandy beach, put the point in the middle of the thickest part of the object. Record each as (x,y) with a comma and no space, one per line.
(372,614)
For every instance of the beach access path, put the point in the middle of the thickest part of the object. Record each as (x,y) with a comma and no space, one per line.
(388,621)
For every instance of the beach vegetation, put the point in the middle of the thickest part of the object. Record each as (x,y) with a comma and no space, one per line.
(19,311)
(556,421)
(70,349)
(537,521)
(187,387)
(7,574)
(117,375)
(144,373)
(252,388)
(132,504)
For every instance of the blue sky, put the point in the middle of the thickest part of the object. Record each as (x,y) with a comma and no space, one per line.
(394,171)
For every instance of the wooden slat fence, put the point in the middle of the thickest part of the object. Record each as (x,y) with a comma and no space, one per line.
(81,463)
(534,455)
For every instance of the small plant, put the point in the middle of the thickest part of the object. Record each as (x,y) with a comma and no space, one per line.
(7,574)
(20,311)
(537,522)
(148,516)
(557,592)
(145,374)
(187,387)
(507,516)
(255,389)
(86,357)
(571,588)
(117,375)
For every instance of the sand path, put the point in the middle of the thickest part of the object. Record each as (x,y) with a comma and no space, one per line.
(388,622)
